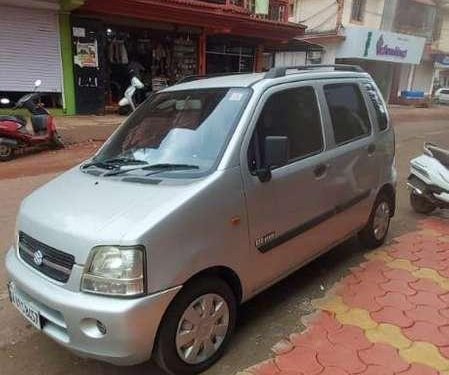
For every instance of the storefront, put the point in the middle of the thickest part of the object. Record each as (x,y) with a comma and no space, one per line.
(30,48)
(392,59)
(165,41)
(441,64)
(109,52)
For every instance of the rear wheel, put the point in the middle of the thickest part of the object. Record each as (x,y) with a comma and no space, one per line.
(6,152)
(197,327)
(375,232)
(420,204)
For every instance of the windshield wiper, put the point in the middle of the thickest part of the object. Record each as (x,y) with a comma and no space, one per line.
(155,168)
(113,163)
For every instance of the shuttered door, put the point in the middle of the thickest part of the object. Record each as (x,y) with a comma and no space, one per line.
(29,49)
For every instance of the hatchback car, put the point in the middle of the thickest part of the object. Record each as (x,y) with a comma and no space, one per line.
(442,96)
(209,193)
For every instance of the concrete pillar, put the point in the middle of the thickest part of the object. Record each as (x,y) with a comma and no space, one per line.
(65,35)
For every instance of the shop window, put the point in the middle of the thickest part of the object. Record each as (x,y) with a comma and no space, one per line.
(379,107)
(358,10)
(348,111)
(292,113)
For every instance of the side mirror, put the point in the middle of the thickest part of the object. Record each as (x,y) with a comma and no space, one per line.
(137,83)
(276,154)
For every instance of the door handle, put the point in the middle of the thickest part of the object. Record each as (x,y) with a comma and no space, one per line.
(371,149)
(320,170)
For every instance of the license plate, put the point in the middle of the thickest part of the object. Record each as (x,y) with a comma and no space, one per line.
(24,306)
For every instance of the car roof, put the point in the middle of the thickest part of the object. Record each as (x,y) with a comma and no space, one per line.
(251,79)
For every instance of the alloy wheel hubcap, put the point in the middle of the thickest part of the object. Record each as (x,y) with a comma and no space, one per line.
(381,220)
(202,328)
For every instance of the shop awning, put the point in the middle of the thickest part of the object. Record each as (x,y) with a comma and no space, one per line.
(214,18)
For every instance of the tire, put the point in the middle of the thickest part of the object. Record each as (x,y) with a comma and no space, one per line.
(57,142)
(376,231)
(169,351)
(6,152)
(420,204)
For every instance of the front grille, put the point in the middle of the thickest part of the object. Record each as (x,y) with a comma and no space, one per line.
(53,263)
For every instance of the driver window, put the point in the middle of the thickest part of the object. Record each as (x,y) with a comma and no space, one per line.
(293,113)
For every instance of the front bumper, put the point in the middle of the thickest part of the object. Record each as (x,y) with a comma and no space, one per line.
(131,324)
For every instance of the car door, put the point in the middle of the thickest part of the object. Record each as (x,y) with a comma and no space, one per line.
(288,213)
(354,152)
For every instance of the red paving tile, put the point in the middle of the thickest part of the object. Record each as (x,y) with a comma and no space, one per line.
(398,286)
(417,369)
(427,314)
(427,299)
(393,316)
(299,359)
(384,356)
(351,337)
(428,332)
(427,285)
(395,299)
(341,357)
(376,290)
(403,275)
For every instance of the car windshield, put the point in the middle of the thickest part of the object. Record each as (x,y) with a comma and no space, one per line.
(177,128)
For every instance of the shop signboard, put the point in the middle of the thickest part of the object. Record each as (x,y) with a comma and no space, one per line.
(441,61)
(379,45)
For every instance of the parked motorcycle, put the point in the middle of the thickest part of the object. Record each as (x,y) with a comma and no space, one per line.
(429,180)
(128,103)
(13,132)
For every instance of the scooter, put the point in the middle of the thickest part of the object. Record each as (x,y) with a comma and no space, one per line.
(429,180)
(128,104)
(13,132)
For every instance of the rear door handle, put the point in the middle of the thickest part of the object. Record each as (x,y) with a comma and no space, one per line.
(320,170)
(371,149)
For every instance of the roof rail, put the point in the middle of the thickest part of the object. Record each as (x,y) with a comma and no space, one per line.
(205,76)
(281,71)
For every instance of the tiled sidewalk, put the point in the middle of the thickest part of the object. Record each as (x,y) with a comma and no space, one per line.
(389,316)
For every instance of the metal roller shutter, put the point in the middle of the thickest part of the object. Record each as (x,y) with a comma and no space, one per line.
(29,49)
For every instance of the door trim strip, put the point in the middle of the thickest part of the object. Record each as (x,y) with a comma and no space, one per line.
(308,225)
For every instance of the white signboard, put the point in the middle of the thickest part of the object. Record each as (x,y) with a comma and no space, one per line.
(372,44)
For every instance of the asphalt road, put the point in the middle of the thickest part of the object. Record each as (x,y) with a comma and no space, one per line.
(263,321)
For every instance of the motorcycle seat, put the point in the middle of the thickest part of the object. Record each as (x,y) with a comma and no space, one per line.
(440,154)
(19,119)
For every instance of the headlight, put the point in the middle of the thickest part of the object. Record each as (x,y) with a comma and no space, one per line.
(116,271)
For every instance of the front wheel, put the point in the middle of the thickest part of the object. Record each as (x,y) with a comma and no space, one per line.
(57,142)
(421,204)
(375,232)
(197,327)
(6,152)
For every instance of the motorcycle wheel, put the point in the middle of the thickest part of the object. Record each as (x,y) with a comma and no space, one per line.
(57,142)
(6,152)
(420,204)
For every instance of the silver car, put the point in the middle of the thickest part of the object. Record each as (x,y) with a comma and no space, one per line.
(209,193)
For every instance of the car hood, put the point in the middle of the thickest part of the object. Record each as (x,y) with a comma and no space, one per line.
(76,211)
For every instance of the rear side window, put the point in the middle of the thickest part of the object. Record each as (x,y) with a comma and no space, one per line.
(349,115)
(293,113)
(381,111)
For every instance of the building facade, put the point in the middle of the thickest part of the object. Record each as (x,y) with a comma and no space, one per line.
(391,39)
(86,50)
